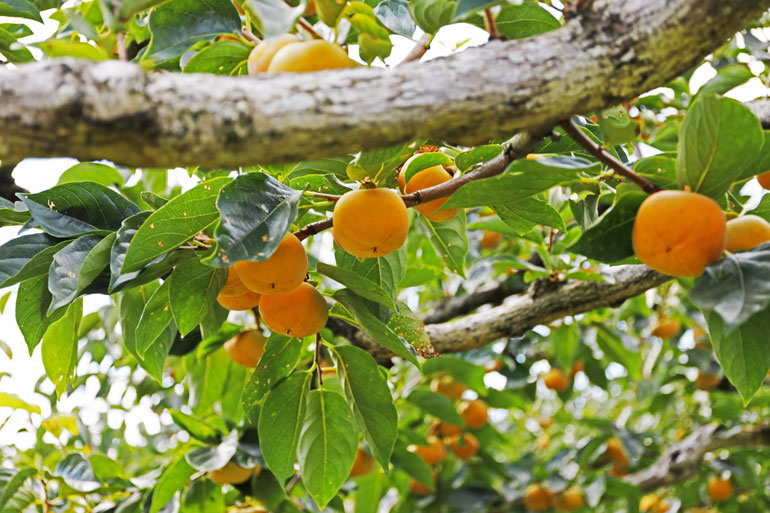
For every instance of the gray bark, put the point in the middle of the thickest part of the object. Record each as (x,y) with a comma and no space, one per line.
(610,52)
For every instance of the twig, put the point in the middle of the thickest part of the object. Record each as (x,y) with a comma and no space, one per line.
(302,22)
(489,24)
(248,34)
(419,49)
(121,42)
(601,154)
(330,197)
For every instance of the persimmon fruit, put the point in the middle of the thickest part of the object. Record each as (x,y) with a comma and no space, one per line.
(616,452)
(720,489)
(285,270)
(245,301)
(246,348)
(298,313)
(448,387)
(764,180)
(746,232)
(555,379)
(431,453)
(678,233)
(418,488)
(465,447)
(649,502)
(428,177)
(666,328)
(231,474)
(538,497)
(263,53)
(474,414)
(570,499)
(309,56)
(490,239)
(370,223)
(447,430)
(233,285)
(363,464)
(707,381)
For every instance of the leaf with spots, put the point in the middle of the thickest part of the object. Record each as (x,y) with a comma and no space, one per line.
(173,224)
(193,288)
(279,359)
(327,445)
(59,349)
(405,323)
(76,267)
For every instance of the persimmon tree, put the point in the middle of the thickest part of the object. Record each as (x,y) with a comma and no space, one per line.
(420,288)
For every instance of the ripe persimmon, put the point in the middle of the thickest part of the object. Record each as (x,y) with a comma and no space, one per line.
(570,499)
(448,387)
(764,180)
(418,488)
(370,223)
(297,313)
(538,497)
(617,471)
(616,452)
(245,301)
(474,414)
(263,53)
(465,447)
(720,489)
(428,177)
(555,379)
(679,232)
(363,464)
(447,430)
(707,380)
(231,474)
(746,232)
(490,239)
(233,285)
(308,56)
(649,502)
(431,453)
(246,348)
(666,327)
(283,271)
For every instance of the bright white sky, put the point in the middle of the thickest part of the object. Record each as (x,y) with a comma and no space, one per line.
(40,174)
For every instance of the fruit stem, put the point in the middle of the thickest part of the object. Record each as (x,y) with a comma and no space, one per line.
(248,34)
(330,197)
(302,22)
(601,154)
(416,53)
(489,24)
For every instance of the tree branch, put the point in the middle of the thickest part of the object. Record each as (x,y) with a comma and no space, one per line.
(495,294)
(680,462)
(609,53)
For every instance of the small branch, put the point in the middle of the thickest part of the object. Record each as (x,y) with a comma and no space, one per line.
(601,154)
(489,24)
(120,37)
(330,197)
(416,53)
(313,228)
(248,34)
(307,27)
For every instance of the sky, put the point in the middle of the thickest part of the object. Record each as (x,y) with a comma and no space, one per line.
(36,175)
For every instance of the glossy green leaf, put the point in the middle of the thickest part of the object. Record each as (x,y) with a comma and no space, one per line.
(75,470)
(517,21)
(424,161)
(17,257)
(327,445)
(431,15)
(68,48)
(436,405)
(197,428)
(173,224)
(20,9)
(11,49)
(222,58)
(523,215)
(278,361)
(92,172)
(616,125)
(130,308)
(13,401)
(413,465)
(280,423)
(478,155)
(68,275)
(13,489)
(379,165)
(394,14)
(73,209)
(203,496)
(727,78)
(361,285)
(405,323)
(249,233)
(275,17)
(214,457)
(32,300)
(367,391)
(461,370)
(206,376)
(450,240)
(386,271)
(173,478)
(155,332)
(193,288)
(60,347)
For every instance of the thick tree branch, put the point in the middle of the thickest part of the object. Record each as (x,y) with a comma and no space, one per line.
(609,53)
(494,294)
(541,304)
(680,462)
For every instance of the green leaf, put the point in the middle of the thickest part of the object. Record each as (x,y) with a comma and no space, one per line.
(13,401)
(76,266)
(405,323)
(616,126)
(206,379)
(280,423)
(463,371)
(450,240)
(742,353)
(387,271)
(659,169)
(68,48)
(327,445)
(566,341)
(173,478)
(278,361)
(394,14)
(467,8)
(130,7)
(193,288)
(373,37)
(155,332)
(213,458)
(93,172)
(60,347)
(178,24)
(12,214)
(613,347)
(524,20)
(424,161)
(196,427)
(431,15)
(32,300)
(203,496)
(361,285)
(374,327)
(13,488)
(222,58)
(73,209)
(735,287)
(436,405)
(367,391)
(379,165)
(523,215)
(17,257)
(174,223)
(275,17)
(413,465)
(719,143)
(609,239)
(727,78)
(11,49)
(20,9)
(467,159)
(130,308)
(249,233)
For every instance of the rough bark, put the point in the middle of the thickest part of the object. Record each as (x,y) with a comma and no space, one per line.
(680,462)
(610,52)
(544,302)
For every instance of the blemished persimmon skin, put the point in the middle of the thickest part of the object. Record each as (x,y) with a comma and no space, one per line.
(308,56)
(466,447)
(298,313)
(363,464)
(230,474)
(245,301)
(263,53)
(764,180)
(246,348)
(370,223)
(285,270)
(746,232)
(678,233)
(538,497)
(233,286)
(428,177)
(474,414)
